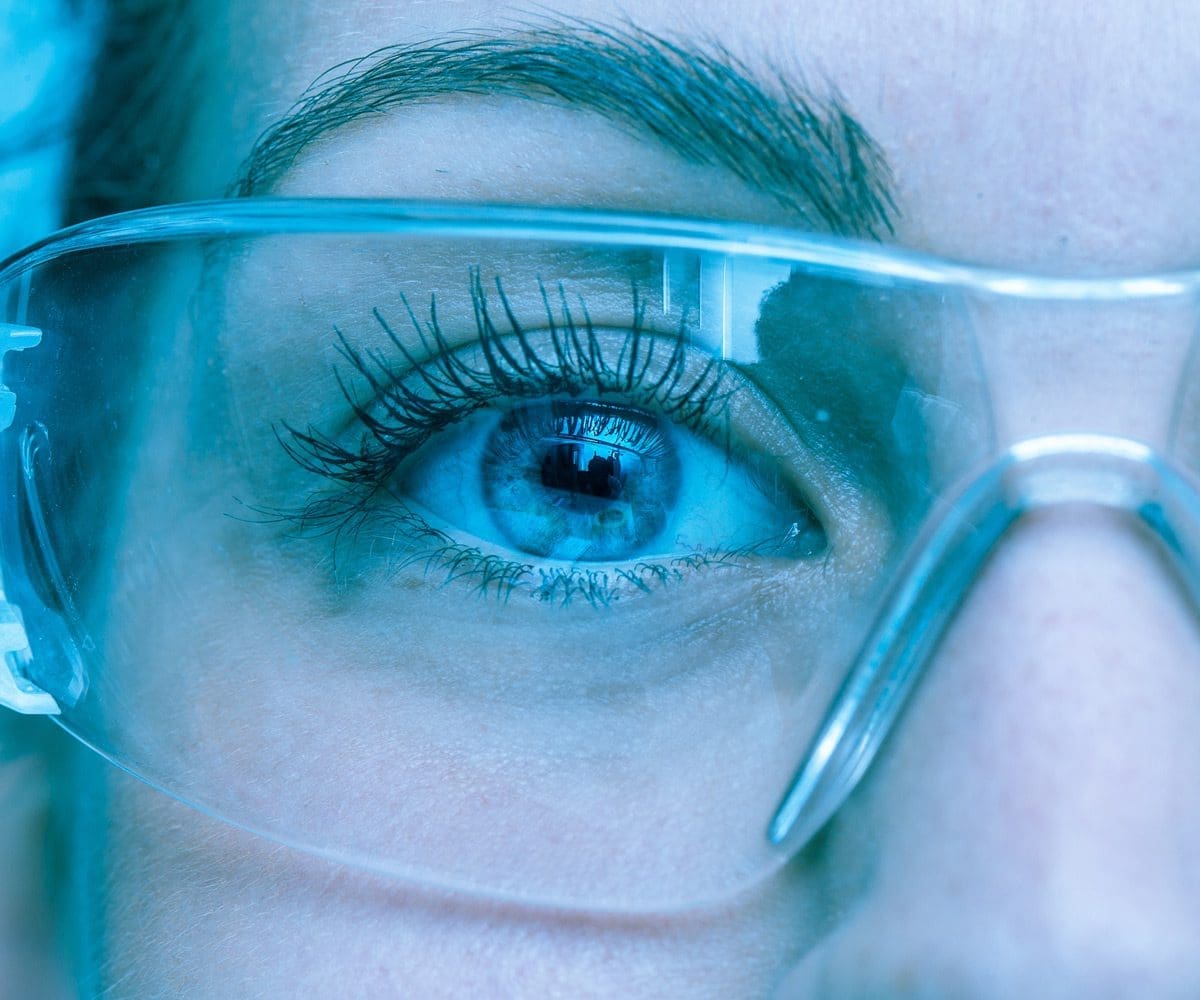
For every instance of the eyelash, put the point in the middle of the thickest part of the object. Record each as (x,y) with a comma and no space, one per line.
(409,405)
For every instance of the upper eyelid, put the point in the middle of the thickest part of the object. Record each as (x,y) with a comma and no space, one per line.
(395,418)
(566,352)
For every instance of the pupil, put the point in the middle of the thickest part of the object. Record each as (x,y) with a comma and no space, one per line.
(564,468)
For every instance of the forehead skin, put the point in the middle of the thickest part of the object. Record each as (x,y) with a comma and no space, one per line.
(1044,137)
(1021,135)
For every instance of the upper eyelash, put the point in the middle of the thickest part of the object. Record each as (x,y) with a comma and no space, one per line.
(448,389)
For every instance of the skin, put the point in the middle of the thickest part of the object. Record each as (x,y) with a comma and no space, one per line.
(1034,826)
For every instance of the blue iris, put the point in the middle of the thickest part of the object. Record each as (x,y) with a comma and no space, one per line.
(580,480)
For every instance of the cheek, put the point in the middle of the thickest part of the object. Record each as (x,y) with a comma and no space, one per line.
(195,908)
(633,765)
(462,740)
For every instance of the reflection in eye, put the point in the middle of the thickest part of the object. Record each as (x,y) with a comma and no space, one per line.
(594,451)
(580,481)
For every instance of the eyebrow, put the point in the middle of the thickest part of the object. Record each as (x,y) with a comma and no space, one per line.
(806,152)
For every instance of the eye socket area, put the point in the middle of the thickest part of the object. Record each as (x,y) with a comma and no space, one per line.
(463,463)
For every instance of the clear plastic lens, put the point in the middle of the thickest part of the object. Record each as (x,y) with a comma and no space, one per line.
(514,557)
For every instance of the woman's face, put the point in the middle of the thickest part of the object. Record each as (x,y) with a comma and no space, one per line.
(1033,825)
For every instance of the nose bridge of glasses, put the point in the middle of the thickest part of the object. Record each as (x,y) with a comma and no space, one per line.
(1033,474)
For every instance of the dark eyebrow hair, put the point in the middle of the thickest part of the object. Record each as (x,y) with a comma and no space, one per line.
(807,153)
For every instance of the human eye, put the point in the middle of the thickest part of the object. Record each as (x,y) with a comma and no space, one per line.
(547,456)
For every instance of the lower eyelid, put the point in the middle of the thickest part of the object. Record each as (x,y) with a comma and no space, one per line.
(425,545)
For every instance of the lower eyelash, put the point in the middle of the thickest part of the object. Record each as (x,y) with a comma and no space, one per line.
(493,576)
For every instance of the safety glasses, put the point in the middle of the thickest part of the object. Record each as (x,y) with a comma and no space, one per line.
(571,558)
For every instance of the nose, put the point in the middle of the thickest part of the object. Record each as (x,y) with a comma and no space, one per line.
(1033,826)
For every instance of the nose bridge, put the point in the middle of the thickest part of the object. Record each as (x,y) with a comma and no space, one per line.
(1067,689)
(1034,477)
(1034,829)
(1034,826)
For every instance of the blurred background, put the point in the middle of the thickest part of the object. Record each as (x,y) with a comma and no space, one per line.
(47,52)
